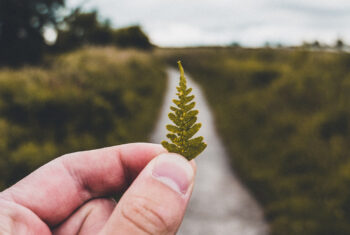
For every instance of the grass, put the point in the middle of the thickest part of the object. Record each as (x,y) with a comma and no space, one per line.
(284,116)
(86,99)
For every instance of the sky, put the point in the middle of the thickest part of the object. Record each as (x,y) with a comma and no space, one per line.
(252,23)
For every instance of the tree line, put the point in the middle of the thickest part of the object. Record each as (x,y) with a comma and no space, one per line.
(23,23)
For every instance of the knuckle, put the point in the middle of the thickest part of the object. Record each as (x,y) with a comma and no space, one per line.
(144,213)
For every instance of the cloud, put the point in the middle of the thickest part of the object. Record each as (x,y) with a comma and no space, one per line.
(319,8)
(250,22)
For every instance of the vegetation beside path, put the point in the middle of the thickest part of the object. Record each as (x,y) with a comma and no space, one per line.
(285,119)
(86,99)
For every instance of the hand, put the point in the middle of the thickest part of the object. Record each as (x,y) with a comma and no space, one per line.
(69,195)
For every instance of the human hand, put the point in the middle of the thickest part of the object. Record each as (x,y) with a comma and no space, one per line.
(69,195)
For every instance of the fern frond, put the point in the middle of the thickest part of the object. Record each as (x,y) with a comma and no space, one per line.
(184,118)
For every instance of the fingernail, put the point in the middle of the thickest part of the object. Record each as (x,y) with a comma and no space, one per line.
(174,171)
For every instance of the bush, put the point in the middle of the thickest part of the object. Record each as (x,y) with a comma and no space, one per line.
(87,99)
(285,119)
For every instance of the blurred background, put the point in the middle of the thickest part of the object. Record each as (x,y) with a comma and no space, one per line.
(78,75)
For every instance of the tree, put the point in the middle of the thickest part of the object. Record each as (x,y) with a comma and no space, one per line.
(85,28)
(132,36)
(81,28)
(235,44)
(185,120)
(316,44)
(339,44)
(22,24)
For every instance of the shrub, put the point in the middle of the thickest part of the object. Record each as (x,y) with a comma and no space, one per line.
(285,121)
(87,99)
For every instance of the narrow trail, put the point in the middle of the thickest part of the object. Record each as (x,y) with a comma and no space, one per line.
(219,204)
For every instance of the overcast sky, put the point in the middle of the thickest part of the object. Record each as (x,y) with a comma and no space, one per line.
(221,22)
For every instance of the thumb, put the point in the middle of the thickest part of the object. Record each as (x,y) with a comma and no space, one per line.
(156,201)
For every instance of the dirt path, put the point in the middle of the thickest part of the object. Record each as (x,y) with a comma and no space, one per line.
(220,204)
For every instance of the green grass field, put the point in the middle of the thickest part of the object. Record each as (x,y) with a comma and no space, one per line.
(90,98)
(284,116)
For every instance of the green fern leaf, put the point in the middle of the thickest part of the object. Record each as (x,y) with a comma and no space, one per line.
(184,118)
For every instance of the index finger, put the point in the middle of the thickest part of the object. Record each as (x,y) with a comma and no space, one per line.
(56,189)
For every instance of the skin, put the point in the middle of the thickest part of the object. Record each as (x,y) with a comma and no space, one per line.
(71,194)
